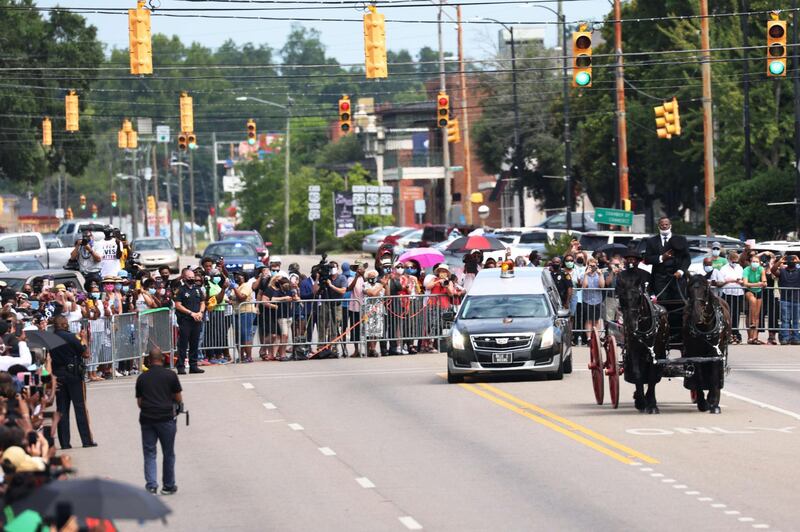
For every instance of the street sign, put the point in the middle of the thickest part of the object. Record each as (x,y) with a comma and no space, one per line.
(386,211)
(372,210)
(613,217)
(314,197)
(314,206)
(419,206)
(314,188)
(60,214)
(313,215)
(411,193)
(162,134)
(359,210)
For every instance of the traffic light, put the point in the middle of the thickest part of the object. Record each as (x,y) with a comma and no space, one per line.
(192,140)
(151,204)
(83,202)
(47,132)
(141,48)
(345,114)
(251,132)
(443,109)
(69,214)
(453,132)
(183,143)
(375,44)
(71,101)
(114,200)
(94,210)
(626,204)
(187,115)
(133,140)
(776,47)
(127,138)
(582,57)
(668,120)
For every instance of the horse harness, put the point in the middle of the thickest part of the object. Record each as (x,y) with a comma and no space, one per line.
(715,333)
(647,338)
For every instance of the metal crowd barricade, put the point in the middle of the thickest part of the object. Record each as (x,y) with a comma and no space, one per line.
(126,339)
(218,336)
(595,304)
(158,331)
(779,314)
(399,323)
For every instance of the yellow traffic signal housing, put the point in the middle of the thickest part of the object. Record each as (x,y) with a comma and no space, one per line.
(187,115)
(94,210)
(442,109)
(453,132)
(582,58)
(127,138)
(668,120)
(345,114)
(375,44)
(133,140)
(72,113)
(251,132)
(141,47)
(122,139)
(626,204)
(151,203)
(47,132)
(183,143)
(83,202)
(113,199)
(776,47)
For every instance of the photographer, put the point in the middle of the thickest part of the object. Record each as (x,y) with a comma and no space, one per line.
(110,251)
(158,392)
(331,286)
(68,367)
(87,257)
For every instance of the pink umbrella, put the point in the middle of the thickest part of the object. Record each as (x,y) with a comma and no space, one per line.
(426,257)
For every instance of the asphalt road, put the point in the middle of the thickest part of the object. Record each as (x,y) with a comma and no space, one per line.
(387,444)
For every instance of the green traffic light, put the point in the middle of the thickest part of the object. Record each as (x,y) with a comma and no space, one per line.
(192,146)
(251,141)
(582,79)
(776,68)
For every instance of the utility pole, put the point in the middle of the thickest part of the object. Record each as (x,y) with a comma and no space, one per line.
(287,169)
(448,194)
(167,183)
(214,187)
(516,161)
(796,82)
(191,199)
(153,148)
(135,198)
(748,170)
(708,120)
(567,139)
(466,201)
(622,127)
(181,208)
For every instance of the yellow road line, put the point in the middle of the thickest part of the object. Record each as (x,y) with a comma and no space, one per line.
(571,424)
(549,424)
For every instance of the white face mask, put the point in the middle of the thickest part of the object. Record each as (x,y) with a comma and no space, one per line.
(715,252)
(755,264)
(334,271)
(708,269)
(665,232)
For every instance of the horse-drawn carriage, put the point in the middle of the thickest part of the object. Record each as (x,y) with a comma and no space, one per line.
(638,344)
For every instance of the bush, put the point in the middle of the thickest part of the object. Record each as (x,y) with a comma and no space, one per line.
(352,241)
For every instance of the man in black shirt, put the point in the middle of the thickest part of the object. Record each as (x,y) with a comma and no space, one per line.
(189,307)
(158,390)
(68,367)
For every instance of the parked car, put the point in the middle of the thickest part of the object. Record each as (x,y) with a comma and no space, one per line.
(239,255)
(16,280)
(535,239)
(372,241)
(253,237)
(596,239)
(703,241)
(580,221)
(153,252)
(11,264)
(32,246)
(71,231)
(410,240)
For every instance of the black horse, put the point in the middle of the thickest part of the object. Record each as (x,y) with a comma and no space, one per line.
(646,332)
(706,333)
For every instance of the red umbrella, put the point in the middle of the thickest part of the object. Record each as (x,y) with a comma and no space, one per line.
(479,242)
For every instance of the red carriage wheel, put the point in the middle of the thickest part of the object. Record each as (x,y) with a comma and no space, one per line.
(693,395)
(612,370)
(596,367)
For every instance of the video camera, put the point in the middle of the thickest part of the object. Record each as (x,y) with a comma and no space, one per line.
(324,269)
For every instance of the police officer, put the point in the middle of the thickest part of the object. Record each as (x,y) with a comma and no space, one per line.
(68,367)
(190,306)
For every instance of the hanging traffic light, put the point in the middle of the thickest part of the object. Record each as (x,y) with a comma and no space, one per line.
(94,210)
(83,202)
(251,132)
(183,143)
(133,140)
(582,57)
(443,109)
(71,101)
(122,139)
(192,140)
(127,138)
(345,114)
(453,132)
(187,115)
(776,46)
(141,47)
(151,204)
(375,44)
(114,200)
(668,120)
(47,132)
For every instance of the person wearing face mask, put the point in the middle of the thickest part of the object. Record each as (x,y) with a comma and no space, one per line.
(729,279)
(190,306)
(708,268)
(331,291)
(787,271)
(593,283)
(755,280)
(770,303)
(356,305)
(668,254)
(215,332)
(632,270)
(718,259)
(563,284)
(375,310)
(283,297)
(99,327)
(398,286)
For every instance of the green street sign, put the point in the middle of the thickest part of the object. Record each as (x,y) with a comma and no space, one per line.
(613,217)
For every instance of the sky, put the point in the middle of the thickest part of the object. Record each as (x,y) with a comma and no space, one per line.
(343,40)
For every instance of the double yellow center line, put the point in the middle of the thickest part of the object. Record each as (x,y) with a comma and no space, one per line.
(570,429)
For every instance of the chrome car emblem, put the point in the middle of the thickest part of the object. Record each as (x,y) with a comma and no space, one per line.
(502,341)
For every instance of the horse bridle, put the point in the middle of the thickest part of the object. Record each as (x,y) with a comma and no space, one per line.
(708,336)
(646,338)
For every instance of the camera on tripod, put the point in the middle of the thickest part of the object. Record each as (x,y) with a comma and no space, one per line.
(324,269)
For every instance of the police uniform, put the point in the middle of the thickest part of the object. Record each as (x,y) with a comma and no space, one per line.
(68,368)
(191,297)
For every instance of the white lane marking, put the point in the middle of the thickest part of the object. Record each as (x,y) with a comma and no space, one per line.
(247,386)
(719,505)
(746,519)
(646,469)
(273,420)
(269,406)
(705,499)
(762,404)
(680,486)
(365,483)
(327,451)
(761,526)
(692,493)
(656,475)
(635,464)
(295,426)
(667,480)
(410,523)
(732,512)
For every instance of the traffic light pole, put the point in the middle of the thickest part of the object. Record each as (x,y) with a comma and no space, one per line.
(567,139)
(622,127)
(748,172)
(708,123)
(448,194)
(796,82)
(134,198)
(191,200)
(181,206)
(467,200)
(516,161)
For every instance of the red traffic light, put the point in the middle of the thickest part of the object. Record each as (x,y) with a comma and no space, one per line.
(344,106)
(443,101)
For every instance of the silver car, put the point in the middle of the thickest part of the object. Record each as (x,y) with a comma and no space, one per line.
(372,241)
(154,252)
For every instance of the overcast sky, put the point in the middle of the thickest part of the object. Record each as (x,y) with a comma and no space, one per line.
(343,40)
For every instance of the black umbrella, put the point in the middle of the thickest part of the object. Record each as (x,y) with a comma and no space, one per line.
(613,249)
(46,339)
(95,497)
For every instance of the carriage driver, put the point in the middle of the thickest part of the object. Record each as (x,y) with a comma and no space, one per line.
(632,269)
(668,254)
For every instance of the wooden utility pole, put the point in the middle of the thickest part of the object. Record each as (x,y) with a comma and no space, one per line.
(708,121)
(622,126)
(466,201)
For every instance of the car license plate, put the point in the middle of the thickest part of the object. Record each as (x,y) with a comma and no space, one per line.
(502,358)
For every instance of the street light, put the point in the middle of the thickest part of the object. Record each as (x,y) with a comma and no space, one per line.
(288,110)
